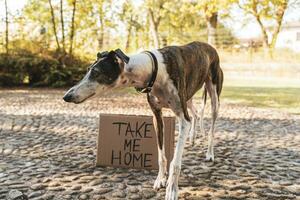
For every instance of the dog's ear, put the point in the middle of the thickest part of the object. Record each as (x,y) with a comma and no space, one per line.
(113,56)
(102,54)
(122,55)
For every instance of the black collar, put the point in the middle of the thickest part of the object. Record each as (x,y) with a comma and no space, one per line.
(154,74)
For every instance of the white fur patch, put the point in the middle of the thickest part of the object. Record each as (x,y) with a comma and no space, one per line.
(161,179)
(140,68)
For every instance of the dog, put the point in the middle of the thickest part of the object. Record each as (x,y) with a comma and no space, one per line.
(170,76)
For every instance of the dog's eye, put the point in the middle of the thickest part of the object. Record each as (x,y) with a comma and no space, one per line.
(91,66)
(94,71)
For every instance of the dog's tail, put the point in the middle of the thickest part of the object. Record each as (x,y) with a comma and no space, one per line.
(220,81)
(217,76)
(204,95)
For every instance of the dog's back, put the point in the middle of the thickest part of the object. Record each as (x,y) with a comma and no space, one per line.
(195,62)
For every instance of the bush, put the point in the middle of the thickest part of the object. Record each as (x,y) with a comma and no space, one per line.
(51,69)
(9,80)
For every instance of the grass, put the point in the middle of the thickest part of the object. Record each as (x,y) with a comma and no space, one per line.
(259,56)
(262,82)
(264,93)
(281,98)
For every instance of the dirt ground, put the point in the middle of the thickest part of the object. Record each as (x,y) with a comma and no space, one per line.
(48,150)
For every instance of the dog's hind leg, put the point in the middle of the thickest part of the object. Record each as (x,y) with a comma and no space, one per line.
(212,91)
(194,120)
(159,129)
(204,97)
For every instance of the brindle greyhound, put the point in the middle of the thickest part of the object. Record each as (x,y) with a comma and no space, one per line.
(170,76)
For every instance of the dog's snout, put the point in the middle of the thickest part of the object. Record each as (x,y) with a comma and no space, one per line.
(68,97)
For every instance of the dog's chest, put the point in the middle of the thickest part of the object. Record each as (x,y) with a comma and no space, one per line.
(166,93)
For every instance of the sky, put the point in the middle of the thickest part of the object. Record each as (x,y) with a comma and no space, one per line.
(241,28)
(13,6)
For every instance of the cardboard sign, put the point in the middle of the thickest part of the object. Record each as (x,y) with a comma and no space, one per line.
(130,141)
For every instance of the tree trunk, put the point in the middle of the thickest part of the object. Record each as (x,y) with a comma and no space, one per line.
(62,26)
(154,28)
(164,41)
(264,32)
(128,39)
(155,36)
(275,35)
(54,24)
(279,17)
(101,38)
(72,28)
(6,27)
(136,38)
(101,34)
(267,48)
(212,22)
(128,35)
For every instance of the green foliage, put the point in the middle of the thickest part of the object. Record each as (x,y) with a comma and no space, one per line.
(39,70)
(36,56)
(208,7)
(108,24)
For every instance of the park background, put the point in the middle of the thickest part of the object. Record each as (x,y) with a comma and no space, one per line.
(50,43)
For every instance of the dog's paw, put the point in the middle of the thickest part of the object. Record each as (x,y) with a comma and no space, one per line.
(209,157)
(202,132)
(192,135)
(172,190)
(160,182)
(192,140)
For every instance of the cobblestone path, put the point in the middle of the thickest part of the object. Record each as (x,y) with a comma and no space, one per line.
(47,151)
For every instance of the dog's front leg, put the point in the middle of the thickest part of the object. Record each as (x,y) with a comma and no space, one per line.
(159,126)
(175,167)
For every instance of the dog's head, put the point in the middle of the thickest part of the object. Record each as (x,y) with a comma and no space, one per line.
(102,75)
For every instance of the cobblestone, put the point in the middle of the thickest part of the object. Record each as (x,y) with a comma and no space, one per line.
(48,151)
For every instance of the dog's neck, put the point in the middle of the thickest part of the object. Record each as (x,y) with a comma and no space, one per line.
(136,72)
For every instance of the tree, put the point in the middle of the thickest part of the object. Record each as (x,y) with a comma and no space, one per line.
(6,27)
(211,9)
(129,16)
(62,25)
(102,25)
(54,24)
(128,35)
(265,13)
(155,11)
(212,22)
(97,18)
(72,29)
